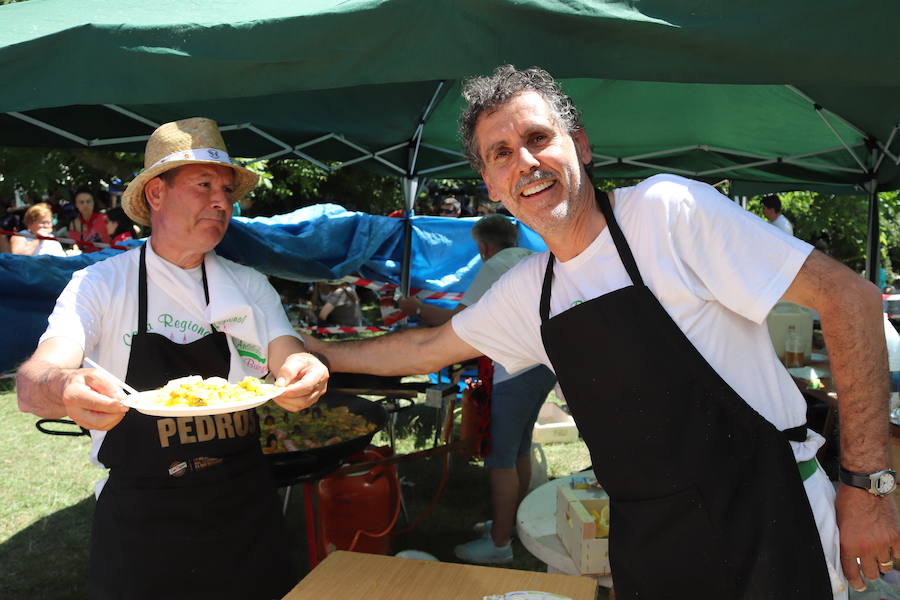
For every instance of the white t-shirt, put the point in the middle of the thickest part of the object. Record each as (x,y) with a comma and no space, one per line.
(98,310)
(715,268)
(50,248)
(492,269)
(782,223)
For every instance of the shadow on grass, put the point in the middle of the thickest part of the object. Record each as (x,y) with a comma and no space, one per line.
(49,559)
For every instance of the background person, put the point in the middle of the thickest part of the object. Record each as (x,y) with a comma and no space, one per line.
(119,226)
(340,304)
(484,209)
(189,509)
(39,221)
(450,207)
(772,211)
(89,225)
(516,399)
(650,307)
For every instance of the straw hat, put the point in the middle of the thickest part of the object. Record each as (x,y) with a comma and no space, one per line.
(185,142)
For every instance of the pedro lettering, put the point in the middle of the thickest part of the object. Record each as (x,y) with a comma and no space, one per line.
(193,430)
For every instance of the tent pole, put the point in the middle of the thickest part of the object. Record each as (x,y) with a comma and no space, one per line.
(410,188)
(872,243)
(410,183)
(873,250)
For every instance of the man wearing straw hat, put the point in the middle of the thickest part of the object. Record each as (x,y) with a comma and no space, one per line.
(189,509)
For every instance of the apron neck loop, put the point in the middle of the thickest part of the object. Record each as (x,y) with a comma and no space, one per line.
(205,286)
(622,248)
(545,290)
(618,237)
(142,289)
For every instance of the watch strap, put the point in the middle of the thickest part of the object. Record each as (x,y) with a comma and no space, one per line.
(859,480)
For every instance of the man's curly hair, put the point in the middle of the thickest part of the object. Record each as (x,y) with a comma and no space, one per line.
(488,94)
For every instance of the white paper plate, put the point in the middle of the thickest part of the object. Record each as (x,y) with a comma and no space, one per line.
(142,402)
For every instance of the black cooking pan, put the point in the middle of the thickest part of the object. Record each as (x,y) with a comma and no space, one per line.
(290,467)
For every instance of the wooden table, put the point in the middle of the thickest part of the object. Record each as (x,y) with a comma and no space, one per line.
(354,575)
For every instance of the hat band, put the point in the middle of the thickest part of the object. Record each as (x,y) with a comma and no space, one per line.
(207,154)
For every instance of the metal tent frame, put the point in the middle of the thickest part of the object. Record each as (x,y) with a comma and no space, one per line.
(874,152)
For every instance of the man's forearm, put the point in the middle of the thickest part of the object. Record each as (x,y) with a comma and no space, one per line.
(413,351)
(859,366)
(39,386)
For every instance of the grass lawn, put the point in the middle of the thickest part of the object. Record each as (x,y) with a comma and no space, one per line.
(47,503)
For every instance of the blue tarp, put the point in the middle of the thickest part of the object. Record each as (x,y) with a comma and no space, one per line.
(318,242)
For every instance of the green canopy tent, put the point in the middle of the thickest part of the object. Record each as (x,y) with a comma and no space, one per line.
(761,93)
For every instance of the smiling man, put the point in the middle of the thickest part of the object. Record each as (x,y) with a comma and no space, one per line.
(650,306)
(189,509)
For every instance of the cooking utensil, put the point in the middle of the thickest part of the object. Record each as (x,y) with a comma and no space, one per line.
(121,383)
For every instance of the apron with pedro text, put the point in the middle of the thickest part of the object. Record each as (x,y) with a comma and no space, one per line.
(706,500)
(190,508)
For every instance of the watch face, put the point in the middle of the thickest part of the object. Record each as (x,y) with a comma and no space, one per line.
(885,482)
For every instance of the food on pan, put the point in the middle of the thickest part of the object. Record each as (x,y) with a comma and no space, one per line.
(214,391)
(317,426)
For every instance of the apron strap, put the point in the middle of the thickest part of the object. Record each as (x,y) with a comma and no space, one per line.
(206,289)
(796,434)
(142,290)
(545,290)
(618,237)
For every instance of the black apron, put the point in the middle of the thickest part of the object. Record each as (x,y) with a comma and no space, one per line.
(706,498)
(190,508)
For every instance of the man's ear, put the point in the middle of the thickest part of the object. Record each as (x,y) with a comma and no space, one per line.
(153,192)
(582,146)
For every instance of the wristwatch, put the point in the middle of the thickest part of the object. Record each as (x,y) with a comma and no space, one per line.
(879,483)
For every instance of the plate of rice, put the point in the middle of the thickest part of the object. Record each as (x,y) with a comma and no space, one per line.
(194,395)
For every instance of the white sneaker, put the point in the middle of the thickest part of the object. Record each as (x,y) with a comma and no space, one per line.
(484,552)
(484,528)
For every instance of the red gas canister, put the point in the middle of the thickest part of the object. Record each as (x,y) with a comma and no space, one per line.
(364,501)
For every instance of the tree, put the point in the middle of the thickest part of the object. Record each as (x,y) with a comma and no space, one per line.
(838,225)
(40,172)
(288,184)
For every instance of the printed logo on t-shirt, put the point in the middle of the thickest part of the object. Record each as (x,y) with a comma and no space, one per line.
(180,331)
(126,338)
(167,321)
(577,302)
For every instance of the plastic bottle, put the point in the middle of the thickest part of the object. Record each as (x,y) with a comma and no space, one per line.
(793,349)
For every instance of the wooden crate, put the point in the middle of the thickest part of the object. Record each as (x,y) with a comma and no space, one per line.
(576,529)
